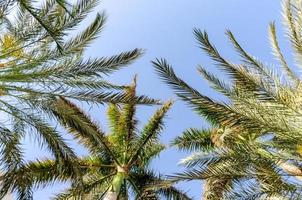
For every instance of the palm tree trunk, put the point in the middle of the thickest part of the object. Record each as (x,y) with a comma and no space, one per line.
(291,169)
(9,196)
(115,188)
(111,195)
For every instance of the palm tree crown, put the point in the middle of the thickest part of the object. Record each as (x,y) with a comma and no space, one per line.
(41,61)
(119,161)
(255,145)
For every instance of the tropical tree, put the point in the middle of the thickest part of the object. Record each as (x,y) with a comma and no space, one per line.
(234,167)
(254,148)
(29,7)
(41,60)
(119,161)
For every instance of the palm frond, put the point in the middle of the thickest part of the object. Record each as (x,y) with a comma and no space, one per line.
(278,53)
(194,140)
(150,131)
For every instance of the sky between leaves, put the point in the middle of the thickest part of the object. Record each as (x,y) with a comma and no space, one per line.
(164,29)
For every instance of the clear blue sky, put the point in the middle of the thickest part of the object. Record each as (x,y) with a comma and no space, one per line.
(164,29)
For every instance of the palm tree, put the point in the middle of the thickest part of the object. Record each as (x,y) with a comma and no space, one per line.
(41,60)
(259,142)
(119,161)
(233,167)
(29,7)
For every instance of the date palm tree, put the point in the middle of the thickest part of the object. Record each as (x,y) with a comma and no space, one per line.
(234,167)
(256,152)
(119,161)
(29,7)
(41,60)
